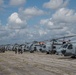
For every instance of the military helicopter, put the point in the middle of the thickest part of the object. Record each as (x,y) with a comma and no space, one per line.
(51,49)
(33,46)
(36,46)
(69,49)
(2,48)
(55,42)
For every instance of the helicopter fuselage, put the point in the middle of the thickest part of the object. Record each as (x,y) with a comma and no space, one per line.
(68,50)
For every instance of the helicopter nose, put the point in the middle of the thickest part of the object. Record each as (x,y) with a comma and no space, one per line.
(63,51)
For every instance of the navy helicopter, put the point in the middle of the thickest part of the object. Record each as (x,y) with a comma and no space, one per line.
(69,49)
(2,48)
(51,48)
(55,42)
(36,46)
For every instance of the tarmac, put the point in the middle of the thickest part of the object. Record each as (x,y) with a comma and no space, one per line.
(36,64)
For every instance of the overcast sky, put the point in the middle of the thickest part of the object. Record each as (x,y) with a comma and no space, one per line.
(28,20)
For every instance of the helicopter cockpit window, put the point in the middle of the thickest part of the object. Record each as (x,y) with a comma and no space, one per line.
(54,47)
(70,46)
(44,46)
(64,46)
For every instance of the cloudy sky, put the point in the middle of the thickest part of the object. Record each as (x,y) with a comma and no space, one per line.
(28,20)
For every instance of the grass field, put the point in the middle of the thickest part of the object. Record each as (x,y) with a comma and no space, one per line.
(36,64)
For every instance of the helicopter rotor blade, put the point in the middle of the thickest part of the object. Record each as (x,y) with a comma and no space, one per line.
(66,36)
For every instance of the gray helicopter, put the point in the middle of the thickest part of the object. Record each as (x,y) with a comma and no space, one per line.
(56,47)
(51,46)
(68,49)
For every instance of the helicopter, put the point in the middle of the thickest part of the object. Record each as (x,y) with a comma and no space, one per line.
(36,46)
(55,42)
(50,48)
(69,49)
(2,48)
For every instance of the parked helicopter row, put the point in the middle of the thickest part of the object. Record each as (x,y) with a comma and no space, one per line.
(52,46)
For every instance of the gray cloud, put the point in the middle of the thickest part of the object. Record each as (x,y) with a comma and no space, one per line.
(30,12)
(55,4)
(62,22)
(1,2)
(17,2)
(15,22)
(65,15)
(17,29)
